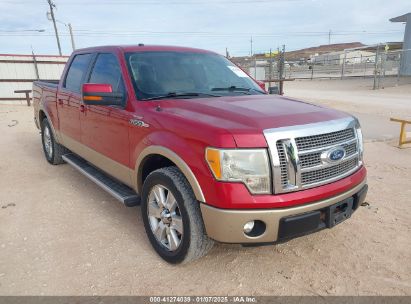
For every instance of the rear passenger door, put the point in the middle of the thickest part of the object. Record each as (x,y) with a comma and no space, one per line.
(69,101)
(105,128)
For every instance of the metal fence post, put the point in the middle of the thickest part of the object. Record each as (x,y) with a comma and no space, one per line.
(343,65)
(270,70)
(312,71)
(399,68)
(377,55)
(281,71)
(255,67)
(36,68)
(381,77)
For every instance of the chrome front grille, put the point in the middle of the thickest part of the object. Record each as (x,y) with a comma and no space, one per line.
(314,159)
(316,176)
(324,140)
(283,166)
(310,160)
(301,158)
(350,149)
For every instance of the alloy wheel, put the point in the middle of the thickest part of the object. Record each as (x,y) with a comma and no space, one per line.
(48,145)
(165,218)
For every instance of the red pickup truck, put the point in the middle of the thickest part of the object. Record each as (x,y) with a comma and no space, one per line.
(205,151)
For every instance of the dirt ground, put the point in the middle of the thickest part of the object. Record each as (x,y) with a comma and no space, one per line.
(373,108)
(61,235)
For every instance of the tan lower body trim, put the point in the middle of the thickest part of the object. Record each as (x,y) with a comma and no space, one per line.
(111,167)
(226,225)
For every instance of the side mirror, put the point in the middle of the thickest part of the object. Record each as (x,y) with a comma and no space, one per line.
(101,95)
(261,84)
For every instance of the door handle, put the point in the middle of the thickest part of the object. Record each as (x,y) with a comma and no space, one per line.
(82,108)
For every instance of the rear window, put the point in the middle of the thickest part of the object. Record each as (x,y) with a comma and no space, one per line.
(76,72)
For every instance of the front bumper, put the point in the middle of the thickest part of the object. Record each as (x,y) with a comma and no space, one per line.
(226,225)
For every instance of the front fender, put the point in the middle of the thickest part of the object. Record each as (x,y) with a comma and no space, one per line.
(187,156)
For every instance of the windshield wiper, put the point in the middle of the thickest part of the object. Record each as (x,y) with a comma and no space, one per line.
(236,89)
(178,95)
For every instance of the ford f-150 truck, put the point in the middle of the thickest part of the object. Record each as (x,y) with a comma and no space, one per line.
(201,147)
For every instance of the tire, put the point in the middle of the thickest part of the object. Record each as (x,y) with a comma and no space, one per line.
(52,150)
(175,229)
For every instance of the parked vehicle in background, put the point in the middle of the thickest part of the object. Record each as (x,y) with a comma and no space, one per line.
(205,151)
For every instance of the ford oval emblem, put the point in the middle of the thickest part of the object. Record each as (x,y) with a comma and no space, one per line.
(336,154)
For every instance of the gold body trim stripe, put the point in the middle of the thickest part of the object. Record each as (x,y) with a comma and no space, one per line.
(127,175)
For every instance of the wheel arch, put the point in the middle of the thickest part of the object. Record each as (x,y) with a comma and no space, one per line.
(43,114)
(155,157)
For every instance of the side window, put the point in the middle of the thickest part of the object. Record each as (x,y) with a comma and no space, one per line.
(76,72)
(107,70)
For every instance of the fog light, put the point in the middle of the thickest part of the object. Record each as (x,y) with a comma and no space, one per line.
(254,228)
(248,227)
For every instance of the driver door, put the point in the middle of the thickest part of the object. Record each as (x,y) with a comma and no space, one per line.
(104,129)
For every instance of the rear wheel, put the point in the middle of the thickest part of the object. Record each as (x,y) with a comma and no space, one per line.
(52,150)
(172,217)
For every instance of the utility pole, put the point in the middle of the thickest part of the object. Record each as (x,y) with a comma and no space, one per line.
(251,46)
(52,6)
(71,36)
(329,37)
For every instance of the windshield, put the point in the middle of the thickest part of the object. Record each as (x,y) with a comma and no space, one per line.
(165,75)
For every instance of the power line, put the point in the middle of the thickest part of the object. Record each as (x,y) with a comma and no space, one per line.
(174,2)
(86,33)
(242,33)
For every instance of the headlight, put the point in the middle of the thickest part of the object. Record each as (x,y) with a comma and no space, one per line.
(249,166)
(360,140)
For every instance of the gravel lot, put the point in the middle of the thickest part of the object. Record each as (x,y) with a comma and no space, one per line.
(61,235)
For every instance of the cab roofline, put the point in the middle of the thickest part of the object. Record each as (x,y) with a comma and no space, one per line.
(141,48)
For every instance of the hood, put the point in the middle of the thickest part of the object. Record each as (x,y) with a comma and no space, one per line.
(245,117)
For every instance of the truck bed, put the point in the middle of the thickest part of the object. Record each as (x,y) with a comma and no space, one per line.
(45,97)
(46,83)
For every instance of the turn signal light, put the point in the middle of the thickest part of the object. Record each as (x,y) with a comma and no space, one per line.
(213,160)
(92,97)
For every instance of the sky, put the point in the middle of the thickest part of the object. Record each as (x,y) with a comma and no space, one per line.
(208,24)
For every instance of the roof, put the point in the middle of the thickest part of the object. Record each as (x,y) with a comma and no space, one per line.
(142,47)
(403,18)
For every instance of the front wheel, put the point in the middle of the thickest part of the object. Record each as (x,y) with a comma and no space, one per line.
(172,217)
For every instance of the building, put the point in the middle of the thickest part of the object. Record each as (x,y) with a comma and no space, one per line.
(355,56)
(405,66)
(17,72)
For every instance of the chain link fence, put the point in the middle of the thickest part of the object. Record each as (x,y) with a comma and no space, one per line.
(383,68)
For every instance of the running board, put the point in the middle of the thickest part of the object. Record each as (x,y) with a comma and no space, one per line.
(123,193)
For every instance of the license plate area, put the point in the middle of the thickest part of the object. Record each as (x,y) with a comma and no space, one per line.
(339,212)
(298,225)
